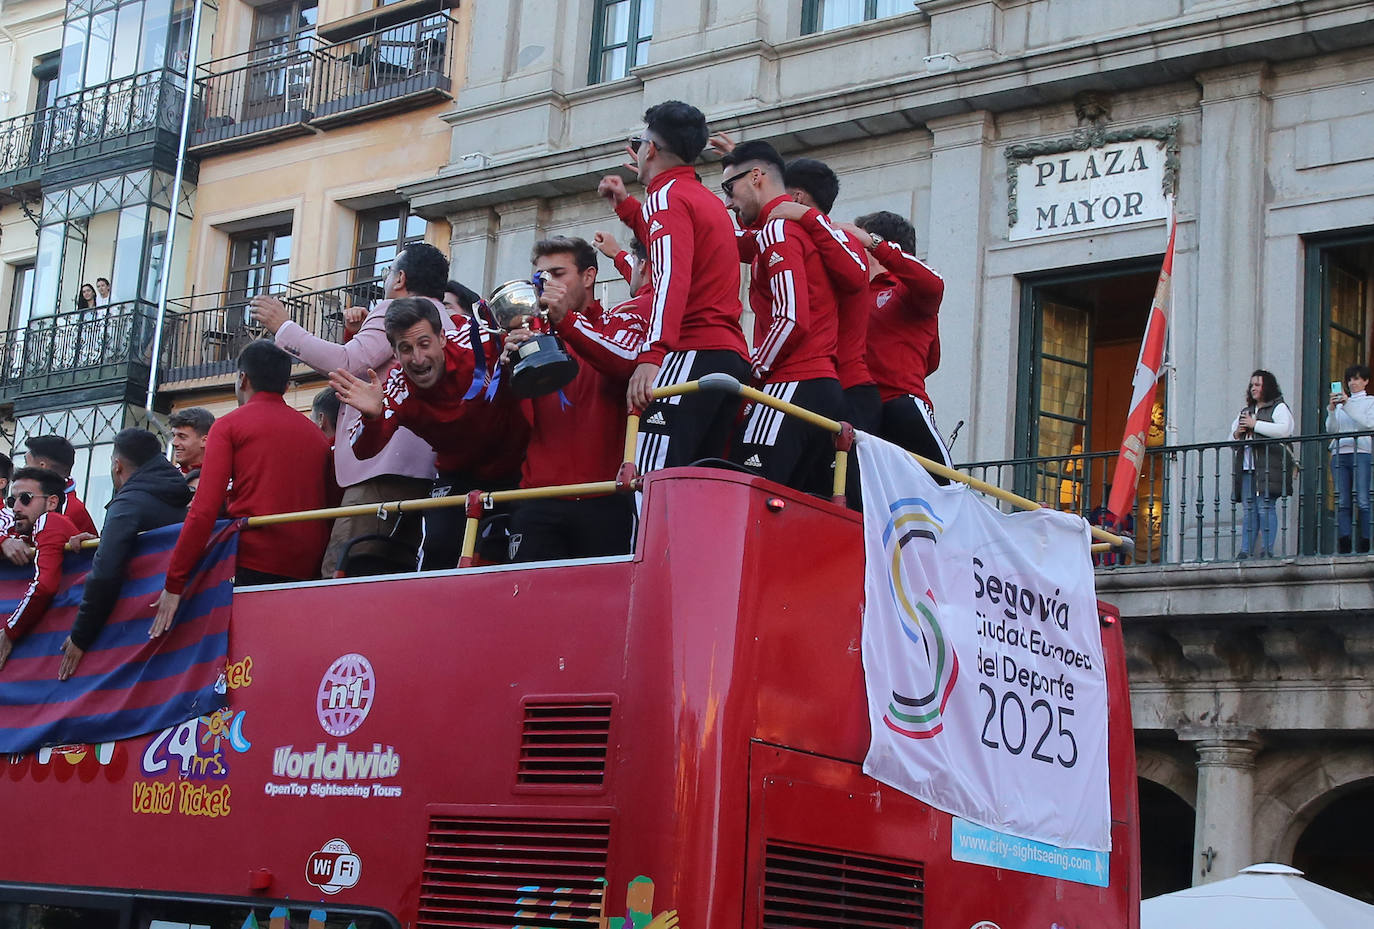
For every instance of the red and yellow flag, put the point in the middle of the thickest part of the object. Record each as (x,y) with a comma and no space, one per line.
(1144,383)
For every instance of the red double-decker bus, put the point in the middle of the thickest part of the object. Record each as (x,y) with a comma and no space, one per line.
(671,738)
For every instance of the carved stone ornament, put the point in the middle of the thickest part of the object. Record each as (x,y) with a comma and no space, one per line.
(1088,137)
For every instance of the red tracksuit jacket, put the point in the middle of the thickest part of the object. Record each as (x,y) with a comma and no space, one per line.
(795,313)
(579,436)
(688,233)
(278,462)
(481,438)
(904,328)
(50,535)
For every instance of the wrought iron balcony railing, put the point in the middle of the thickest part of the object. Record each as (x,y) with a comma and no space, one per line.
(1210,502)
(93,115)
(268,94)
(207,331)
(75,349)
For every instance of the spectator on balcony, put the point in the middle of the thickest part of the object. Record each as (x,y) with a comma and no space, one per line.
(404,470)
(1351,410)
(86,299)
(1260,474)
(54,453)
(263,457)
(149,492)
(102,291)
(36,499)
(190,431)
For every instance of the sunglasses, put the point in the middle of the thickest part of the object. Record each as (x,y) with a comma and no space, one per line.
(636,141)
(24,499)
(728,185)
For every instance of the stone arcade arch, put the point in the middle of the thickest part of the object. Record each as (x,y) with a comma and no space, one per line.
(1333,850)
(1167,823)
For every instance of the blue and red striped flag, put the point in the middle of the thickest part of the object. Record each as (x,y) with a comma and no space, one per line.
(127,684)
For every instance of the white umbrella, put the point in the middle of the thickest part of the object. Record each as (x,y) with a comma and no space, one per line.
(1263,896)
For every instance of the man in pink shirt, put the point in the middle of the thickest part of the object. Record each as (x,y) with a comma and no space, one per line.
(404,470)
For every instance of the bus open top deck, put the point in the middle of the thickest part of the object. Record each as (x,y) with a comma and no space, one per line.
(681,729)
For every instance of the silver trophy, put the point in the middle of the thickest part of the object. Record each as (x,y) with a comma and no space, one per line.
(541,365)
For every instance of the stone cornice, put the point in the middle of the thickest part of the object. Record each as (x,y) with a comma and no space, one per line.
(1147,57)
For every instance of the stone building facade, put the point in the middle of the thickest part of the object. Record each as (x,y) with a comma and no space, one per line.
(978,120)
(1035,145)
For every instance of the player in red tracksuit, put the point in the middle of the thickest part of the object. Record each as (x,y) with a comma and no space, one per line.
(577,435)
(795,327)
(36,495)
(904,335)
(694,318)
(448,390)
(55,453)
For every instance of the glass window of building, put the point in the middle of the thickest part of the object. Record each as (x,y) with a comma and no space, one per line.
(382,233)
(21,295)
(259,262)
(1080,335)
(620,37)
(283,36)
(109,227)
(819,15)
(91,430)
(111,80)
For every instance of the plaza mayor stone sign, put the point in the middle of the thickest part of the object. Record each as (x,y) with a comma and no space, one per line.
(1093,180)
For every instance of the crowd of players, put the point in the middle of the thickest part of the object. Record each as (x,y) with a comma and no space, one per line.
(420,403)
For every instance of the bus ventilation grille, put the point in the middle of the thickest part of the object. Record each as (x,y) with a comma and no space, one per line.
(814,887)
(564,744)
(498,872)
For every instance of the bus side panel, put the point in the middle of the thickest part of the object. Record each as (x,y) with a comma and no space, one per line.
(829,825)
(352,709)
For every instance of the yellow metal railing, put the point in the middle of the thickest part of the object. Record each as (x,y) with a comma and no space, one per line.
(477,502)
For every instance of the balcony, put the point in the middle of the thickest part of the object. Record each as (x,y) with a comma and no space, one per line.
(204,333)
(261,96)
(1188,509)
(106,347)
(93,122)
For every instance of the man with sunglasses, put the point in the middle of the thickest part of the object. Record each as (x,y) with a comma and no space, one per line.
(55,453)
(36,499)
(694,318)
(796,326)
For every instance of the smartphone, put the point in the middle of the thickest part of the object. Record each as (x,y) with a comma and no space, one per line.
(1337,387)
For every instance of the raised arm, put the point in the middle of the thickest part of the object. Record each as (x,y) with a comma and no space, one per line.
(843,255)
(912,273)
(614,348)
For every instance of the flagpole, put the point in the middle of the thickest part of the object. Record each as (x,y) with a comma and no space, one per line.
(1175,500)
(177,177)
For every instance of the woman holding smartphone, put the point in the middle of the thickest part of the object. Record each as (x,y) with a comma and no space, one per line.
(1350,409)
(1260,473)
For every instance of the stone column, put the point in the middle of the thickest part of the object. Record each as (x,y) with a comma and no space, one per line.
(953,245)
(472,248)
(522,223)
(1223,841)
(1230,191)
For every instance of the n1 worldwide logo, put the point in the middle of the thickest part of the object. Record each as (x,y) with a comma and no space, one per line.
(334,867)
(345,695)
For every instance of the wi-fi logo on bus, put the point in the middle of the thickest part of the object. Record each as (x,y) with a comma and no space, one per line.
(345,695)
